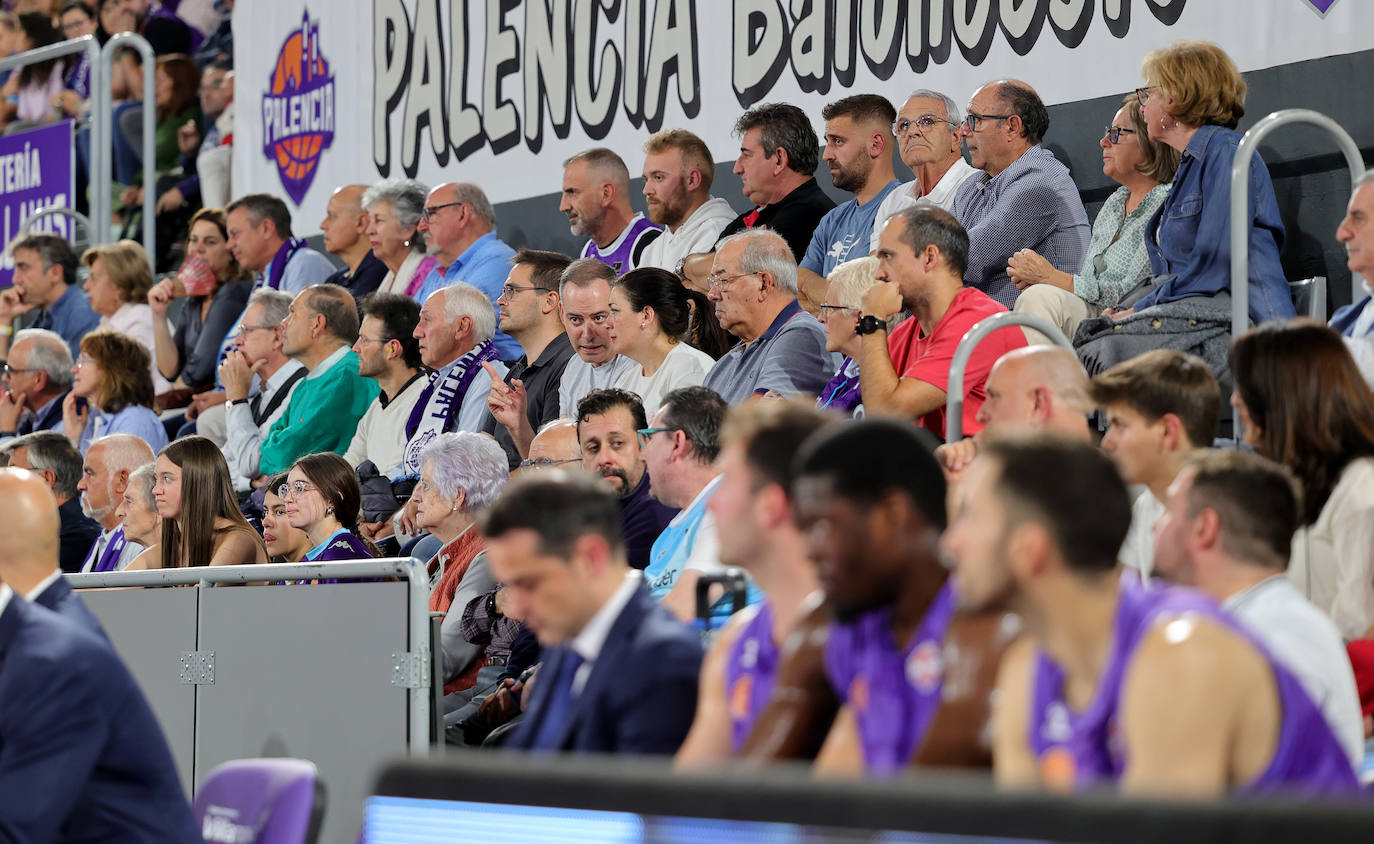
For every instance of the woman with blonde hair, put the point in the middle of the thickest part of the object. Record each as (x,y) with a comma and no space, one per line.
(840,316)
(117,285)
(201,521)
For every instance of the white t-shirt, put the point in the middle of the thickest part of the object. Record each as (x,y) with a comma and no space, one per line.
(684,366)
(1305,642)
(580,378)
(1138,551)
(1333,558)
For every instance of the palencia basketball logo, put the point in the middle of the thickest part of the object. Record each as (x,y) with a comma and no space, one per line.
(298,109)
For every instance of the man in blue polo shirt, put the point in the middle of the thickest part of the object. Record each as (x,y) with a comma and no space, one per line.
(460,224)
(753,284)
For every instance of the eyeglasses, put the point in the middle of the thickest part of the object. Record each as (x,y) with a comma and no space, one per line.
(363,338)
(430,210)
(646,433)
(84,360)
(827,308)
(1143,94)
(716,281)
(903,125)
(545,462)
(245,330)
(971,120)
(297,488)
(14,370)
(510,290)
(1114,133)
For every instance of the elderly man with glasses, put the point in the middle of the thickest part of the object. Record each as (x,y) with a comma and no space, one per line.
(753,284)
(1024,198)
(460,226)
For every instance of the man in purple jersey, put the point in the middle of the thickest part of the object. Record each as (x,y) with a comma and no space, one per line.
(756,532)
(1157,690)
(596,198)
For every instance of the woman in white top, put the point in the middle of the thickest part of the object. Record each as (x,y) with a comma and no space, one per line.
(394,208)
(650,314)
(118,284)
(1304,404)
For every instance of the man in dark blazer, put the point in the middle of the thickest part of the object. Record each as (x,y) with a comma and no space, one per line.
(81,756)
(619,672)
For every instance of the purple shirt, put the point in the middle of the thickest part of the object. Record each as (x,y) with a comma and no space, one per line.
(1085,748)
(623,253)
(343,545)
(750,670)
(892,692)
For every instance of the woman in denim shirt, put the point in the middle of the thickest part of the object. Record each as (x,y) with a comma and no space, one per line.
(1193,98)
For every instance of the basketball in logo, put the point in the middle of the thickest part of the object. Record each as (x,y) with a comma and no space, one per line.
(298,109)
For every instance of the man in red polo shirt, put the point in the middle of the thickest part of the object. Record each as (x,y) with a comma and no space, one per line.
(922,254)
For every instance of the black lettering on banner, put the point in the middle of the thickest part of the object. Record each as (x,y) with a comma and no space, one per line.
(499,114)
(672,51)
(547,71)
(633,89)
(1021,22)
(595,89)
(425,93)
(929,34)
(812,44)
(974,26)
(390,73)
(879,27)
(759,48)
(1166,12)
(1117,15)
(465,132)
(1070,20)
(845,46)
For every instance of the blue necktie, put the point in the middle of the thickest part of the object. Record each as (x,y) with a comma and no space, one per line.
(558,704)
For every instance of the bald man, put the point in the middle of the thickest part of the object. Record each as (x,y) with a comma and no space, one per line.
(82,757)
(1037,387)
(345,237)
(555,444)
(105,474)
(28,559)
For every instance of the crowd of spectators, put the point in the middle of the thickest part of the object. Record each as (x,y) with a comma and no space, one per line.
(585,449)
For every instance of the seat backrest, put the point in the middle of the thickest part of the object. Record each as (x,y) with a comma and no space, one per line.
(1309,297)
(261,801)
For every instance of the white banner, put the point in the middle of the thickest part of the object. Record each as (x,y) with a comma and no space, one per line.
(500,92)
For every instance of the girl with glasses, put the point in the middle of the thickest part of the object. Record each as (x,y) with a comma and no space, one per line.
(285,542)
(323,498)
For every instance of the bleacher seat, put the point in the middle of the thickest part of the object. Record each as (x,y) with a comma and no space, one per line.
(262,801)
(1309,297)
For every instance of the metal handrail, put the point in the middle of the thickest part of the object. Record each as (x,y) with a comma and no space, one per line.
(413,571)
(1240,204)
(85,44)
(954,404)
(57,211)
(102,161)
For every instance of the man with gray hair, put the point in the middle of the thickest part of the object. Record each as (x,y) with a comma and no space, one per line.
(776,166)
(459,225)
(105,472)
(1355,322)
(37,378)
(52,455)
(324,409)
(345,237)
(45,293)
(258,381)
(753,284)
(596,198)
(928,141)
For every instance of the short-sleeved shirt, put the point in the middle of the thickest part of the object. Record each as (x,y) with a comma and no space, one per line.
(580,378)
(627,250)
(788,358)
(794,217)
(844,233)
(941,196)
(928,358)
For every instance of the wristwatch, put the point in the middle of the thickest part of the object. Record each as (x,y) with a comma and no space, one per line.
(238,401)
(869,324)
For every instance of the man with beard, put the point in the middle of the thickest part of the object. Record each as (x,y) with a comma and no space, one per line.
(677,188)
(596,198)
(1156,690)
(607,426)
(105,474)
(754,527)
(858,151)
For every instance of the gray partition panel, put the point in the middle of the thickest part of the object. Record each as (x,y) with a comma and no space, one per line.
(282,654)
(151,629)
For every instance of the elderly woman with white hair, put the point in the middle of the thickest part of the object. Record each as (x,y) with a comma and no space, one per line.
(462,474)
(840,316)
(394,208)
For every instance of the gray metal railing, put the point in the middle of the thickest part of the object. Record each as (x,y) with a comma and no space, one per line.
(411,570)
(55,211)
(102,153)
(954,404)
(1240,204)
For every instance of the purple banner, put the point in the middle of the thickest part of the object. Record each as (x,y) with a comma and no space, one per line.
(35,173)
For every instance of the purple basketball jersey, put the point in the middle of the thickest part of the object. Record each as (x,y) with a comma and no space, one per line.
(1082,749)
(622,255)
(892,692)
(749,673)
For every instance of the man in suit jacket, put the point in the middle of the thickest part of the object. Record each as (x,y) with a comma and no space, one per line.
(619,673)
(81,756)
